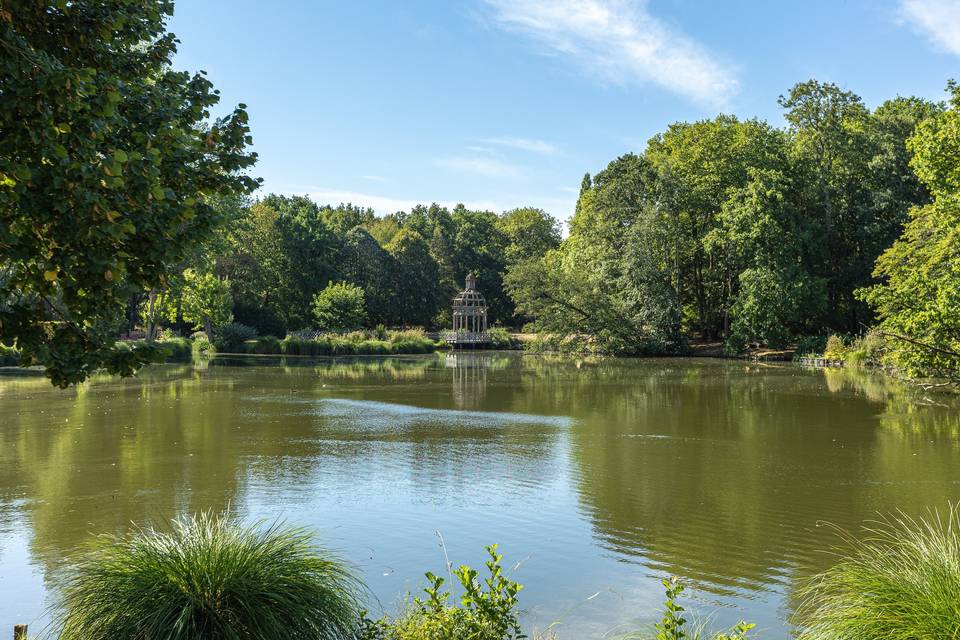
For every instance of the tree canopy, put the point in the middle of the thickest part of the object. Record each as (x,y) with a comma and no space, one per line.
(108,159)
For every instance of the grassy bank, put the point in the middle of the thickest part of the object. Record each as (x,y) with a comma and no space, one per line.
(210,577)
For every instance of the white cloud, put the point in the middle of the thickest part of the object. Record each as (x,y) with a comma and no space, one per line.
(483,165)
(623,42)
(939,20)
(384,205)
(524,144)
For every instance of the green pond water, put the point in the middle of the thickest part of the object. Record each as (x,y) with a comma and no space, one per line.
(597,478)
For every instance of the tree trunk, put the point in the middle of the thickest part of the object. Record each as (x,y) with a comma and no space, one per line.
(151,324)
(208,328)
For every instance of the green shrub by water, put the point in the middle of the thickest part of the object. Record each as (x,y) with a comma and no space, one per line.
(208,577)
(178,349)
(375,342)
(202,345)
(487,610)
(900,582)
(9,357)
(230,338)
(500,339)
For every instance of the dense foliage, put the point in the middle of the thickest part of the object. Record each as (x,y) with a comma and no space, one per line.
(124,206)
(918,303)
(733,230)
(292,264)
(108,160)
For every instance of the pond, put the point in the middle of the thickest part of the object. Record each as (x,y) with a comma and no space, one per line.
(597,477)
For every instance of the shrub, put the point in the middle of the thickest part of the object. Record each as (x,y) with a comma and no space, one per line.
(484,613)
(866,350)
(835,349)
(208,577)
(9,357)
(339,307)
(263,345)
(500,338)
(230,337)
(178,349)
(380,332)
(901,581)
(809,346)
(201,345)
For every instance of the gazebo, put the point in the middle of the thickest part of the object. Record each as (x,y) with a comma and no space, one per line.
(469,317)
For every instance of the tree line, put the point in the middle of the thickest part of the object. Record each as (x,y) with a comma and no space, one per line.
(282,262)
(736,230)
(122,197)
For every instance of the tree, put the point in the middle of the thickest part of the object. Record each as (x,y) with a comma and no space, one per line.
(311,248)
(478,248)
(339,307)
(529,233)
(365,263)
(761,238)
(917,301)
(106,161)
(345,217)
(415,279)
(261,273)
(205,301)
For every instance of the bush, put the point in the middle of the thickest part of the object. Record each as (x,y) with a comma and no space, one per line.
(339,307)
(867,350)
(9,357)
(229,338)
(178,349)
(263,345)
(901,581)
(202,345)
(835,349)
(810,346)
(484,613)
(500,338)
(208,577)
(357,343)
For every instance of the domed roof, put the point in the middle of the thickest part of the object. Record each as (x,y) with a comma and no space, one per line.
(470,297)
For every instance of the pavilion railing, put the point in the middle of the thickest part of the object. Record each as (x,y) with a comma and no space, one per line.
(466,337)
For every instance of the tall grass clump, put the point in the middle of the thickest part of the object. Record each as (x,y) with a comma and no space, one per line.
(900,582)
(209,577)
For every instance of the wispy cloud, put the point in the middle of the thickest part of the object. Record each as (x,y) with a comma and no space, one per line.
(524,144)
(481,164)
(622,41)
(374,178)
(939,20)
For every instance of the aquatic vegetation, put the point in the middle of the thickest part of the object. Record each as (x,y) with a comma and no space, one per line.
(209,577)
(900,582)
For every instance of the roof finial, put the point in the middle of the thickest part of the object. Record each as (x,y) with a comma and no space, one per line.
(471,281)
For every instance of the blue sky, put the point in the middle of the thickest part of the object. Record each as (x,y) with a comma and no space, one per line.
(505,103)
